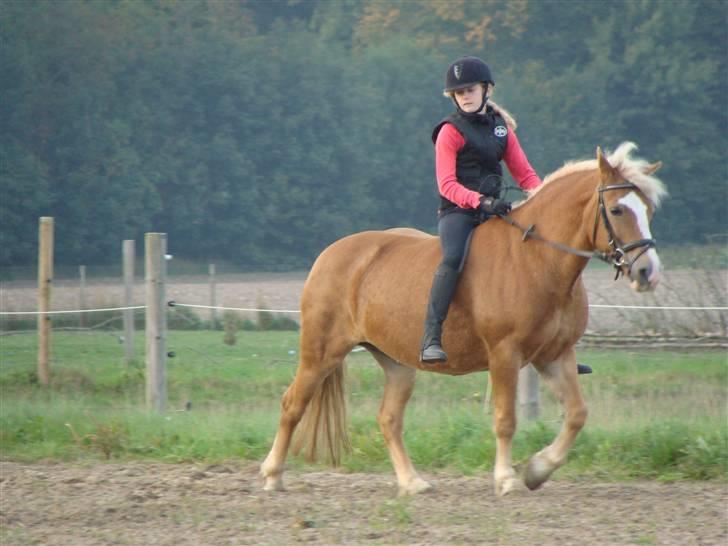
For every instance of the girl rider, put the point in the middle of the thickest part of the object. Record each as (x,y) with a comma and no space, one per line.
(469,146)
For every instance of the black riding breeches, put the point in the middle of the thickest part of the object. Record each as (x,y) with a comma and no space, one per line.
(455,230)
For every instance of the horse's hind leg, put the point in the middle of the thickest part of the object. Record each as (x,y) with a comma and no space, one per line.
(561,377)
(316,365)
(293,404)
(400,381)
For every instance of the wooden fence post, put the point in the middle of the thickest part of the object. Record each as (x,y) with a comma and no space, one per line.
(128,257)
(528,401)
(213,297)
(45,280)
(156,320)
(82,295)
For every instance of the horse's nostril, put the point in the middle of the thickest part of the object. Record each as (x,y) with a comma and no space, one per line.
(644,274)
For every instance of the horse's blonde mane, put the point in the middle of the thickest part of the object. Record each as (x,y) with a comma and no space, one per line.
(630,168)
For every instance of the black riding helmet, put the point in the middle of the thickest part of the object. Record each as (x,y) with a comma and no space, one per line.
(464,72)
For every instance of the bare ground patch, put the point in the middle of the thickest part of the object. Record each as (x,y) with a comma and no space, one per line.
(142,503)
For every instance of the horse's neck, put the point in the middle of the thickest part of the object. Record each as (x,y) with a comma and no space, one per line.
(558,207)
(562,212)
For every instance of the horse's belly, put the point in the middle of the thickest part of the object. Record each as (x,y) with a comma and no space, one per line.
(557,335)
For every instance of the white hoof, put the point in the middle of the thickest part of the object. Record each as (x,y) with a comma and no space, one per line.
(418,485)
(272,481)
(505,486)
(273,484)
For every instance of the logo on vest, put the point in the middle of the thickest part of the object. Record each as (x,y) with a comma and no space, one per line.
(458,69)
(500,131)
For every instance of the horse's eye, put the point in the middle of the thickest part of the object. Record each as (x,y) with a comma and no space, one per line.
(616,211)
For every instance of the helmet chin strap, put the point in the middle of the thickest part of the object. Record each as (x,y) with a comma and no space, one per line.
(478,111)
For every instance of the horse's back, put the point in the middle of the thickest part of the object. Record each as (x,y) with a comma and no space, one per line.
(344,265)
(411,232)
(360,249)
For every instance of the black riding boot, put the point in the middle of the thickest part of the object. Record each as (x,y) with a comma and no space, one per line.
(443,288)
(583,369)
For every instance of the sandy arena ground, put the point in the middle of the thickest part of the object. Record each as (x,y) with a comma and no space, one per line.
(93,503)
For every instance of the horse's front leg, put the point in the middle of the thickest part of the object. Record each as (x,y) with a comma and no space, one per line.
(561,377)
(504,379)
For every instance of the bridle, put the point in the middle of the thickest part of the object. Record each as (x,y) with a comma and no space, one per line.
(618,255)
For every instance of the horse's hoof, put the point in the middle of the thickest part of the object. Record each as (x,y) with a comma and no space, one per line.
(537,472)
(414,487)
(272,481)
(504,486)
(273,484)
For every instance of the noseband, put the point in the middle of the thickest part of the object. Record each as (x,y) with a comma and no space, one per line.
(618,255)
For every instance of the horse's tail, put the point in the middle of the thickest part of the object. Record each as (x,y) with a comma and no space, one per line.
(322,431)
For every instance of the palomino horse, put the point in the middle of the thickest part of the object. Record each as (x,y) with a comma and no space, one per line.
(517,301)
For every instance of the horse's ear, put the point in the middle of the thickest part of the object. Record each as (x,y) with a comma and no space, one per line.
(651,169)
(607,171)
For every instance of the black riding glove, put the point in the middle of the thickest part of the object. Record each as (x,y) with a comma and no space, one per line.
(491,205)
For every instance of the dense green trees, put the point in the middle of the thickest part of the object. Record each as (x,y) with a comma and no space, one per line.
(258,132)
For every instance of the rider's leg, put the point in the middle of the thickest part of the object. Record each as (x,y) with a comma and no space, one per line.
(443,288)
(454,230)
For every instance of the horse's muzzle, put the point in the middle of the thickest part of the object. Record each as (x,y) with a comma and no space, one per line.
(644,273)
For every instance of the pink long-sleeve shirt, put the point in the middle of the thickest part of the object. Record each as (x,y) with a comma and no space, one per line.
(450,141)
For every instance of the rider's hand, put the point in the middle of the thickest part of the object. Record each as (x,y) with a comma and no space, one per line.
(491,205)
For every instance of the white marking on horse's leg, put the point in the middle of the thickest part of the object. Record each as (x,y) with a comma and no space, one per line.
(639,209)
(504,475)
(505,381)
(561,377)
(271,471)
(293,404)
(398,388)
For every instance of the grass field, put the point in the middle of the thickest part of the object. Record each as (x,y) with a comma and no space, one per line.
(653,414)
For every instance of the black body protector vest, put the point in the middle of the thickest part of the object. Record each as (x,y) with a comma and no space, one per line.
(486,137)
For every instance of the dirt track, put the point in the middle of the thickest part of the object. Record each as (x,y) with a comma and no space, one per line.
(93,503)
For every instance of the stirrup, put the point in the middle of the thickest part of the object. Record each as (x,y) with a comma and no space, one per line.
(433,353)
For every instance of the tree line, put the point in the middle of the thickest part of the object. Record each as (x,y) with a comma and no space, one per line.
(258,132)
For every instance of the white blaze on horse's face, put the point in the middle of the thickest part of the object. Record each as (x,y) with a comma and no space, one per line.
(645,272)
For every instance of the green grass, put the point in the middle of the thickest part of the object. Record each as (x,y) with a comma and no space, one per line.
(653,414)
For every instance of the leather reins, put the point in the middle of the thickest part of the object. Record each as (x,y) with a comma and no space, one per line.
(616,258)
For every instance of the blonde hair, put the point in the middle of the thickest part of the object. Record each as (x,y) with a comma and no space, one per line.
(502,112)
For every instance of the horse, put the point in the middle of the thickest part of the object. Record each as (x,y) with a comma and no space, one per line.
(520,299)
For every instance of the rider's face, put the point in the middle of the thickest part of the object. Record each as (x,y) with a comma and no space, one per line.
(470,98)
